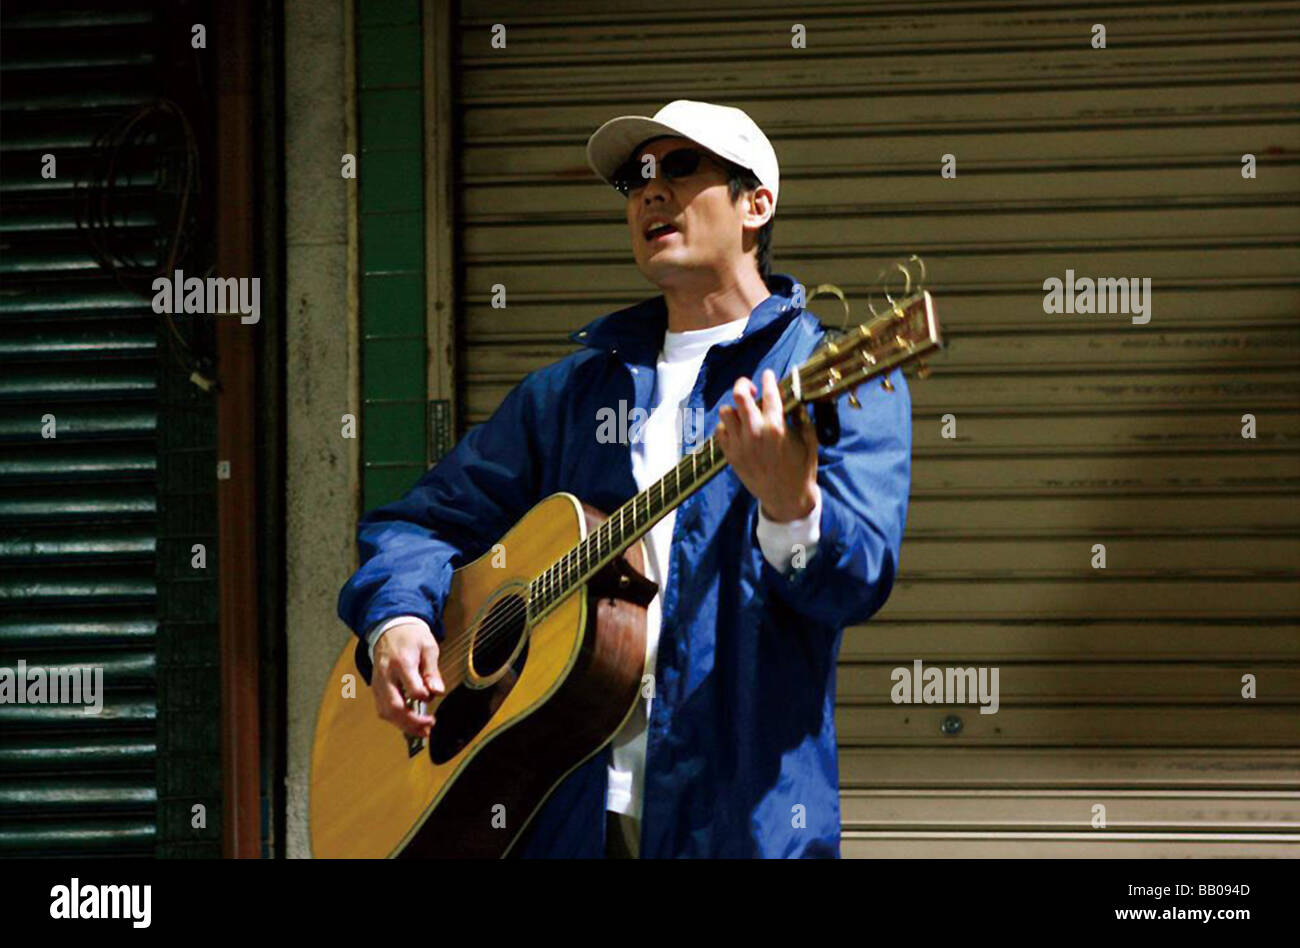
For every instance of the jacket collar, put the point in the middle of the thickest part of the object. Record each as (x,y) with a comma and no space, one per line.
(637,332)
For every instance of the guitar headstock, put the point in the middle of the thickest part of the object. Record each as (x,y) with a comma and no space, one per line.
(904,334)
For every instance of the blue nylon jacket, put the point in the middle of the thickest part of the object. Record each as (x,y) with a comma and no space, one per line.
(741,748)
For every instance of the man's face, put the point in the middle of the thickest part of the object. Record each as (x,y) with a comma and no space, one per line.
(705,231)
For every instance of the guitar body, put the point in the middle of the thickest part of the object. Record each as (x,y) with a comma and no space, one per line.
(525,706)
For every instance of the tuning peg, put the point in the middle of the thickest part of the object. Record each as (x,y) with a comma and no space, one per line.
(922,370)
(887,385)
(853,399)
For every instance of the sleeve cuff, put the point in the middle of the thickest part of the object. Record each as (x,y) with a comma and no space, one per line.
(377,632)
(780,542)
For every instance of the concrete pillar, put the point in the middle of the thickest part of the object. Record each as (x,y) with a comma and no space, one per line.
(322,367)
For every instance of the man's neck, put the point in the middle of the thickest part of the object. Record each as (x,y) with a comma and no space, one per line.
(713,300)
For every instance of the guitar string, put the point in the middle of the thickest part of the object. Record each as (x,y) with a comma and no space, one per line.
(499,622)
(502,621)
(815,365)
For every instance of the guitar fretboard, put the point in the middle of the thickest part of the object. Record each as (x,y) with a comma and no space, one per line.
(623,527)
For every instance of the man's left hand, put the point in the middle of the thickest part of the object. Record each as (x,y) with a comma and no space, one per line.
(776,461)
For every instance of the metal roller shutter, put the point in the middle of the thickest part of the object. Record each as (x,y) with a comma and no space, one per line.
(1119,687)
(80,523)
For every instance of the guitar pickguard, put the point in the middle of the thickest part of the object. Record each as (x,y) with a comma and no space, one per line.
(466,711)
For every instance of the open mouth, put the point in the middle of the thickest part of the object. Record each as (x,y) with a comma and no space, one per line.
(658,230)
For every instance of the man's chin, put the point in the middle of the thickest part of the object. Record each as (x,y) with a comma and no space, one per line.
(662,270)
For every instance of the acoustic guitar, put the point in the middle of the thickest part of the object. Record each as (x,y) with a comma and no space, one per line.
(543,656)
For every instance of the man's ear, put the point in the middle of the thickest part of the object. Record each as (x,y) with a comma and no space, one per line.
(759,208)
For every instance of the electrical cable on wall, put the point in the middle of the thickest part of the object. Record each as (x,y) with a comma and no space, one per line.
(157,138)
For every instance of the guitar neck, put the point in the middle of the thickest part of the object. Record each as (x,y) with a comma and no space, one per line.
(630,522)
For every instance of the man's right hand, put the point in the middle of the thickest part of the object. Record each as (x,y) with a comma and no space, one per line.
(406,661)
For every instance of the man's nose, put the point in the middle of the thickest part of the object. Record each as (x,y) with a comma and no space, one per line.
(656,189)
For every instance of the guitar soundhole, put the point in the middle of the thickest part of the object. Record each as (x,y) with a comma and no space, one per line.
(498,635)
(466,711)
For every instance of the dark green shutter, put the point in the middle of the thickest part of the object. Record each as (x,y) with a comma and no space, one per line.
(79,513)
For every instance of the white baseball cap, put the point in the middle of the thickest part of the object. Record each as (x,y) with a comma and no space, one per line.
(723,130)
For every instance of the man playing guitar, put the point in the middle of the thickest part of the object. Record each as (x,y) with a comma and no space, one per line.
(732,751)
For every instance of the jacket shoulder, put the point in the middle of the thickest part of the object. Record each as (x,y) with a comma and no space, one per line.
(556,377)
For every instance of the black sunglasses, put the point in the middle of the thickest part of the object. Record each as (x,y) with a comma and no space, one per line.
(677,164)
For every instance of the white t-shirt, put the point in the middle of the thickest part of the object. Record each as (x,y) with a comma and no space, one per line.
(654,453)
